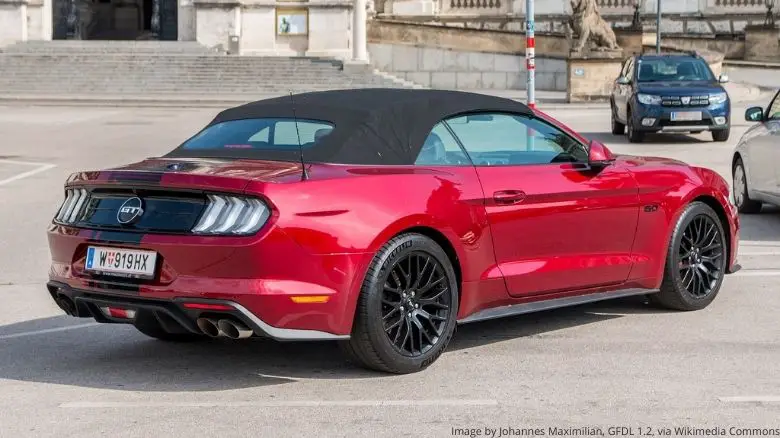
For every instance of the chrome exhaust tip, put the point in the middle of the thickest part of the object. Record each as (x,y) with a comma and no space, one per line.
(209,327)
(66,304)
(234,329)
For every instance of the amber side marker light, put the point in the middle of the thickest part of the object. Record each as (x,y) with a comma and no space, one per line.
(307,299)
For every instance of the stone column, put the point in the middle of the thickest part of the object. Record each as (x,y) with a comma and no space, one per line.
(359,43)
(13,21)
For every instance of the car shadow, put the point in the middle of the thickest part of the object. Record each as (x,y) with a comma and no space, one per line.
(761,227)
(117,357)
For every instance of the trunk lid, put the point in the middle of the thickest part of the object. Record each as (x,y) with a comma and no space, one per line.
(189,173)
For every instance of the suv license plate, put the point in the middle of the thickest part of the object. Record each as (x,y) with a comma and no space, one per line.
(686,116)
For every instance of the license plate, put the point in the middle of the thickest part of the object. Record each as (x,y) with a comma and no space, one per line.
(687,116)
(121,262)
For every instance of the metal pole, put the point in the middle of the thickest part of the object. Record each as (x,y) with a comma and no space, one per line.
(530,66)
(530,44)
(658,28)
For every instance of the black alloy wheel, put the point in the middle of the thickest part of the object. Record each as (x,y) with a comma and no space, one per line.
(406,313)
(702,255)
(696,260)
(416,304)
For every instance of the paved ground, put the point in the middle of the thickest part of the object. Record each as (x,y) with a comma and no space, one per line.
(612,364)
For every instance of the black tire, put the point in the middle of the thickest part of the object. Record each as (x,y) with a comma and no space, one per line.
(634,136)
(147,323)
(721,135)
(739,184)
(694,289)
(617,127)
(370,345)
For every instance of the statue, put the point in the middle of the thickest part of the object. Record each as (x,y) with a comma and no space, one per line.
(586,22)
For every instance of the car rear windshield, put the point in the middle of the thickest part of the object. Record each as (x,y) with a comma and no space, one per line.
(278,134)
(674,68)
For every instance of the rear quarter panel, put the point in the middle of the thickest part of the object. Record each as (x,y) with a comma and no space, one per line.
(666,187)
(357,209)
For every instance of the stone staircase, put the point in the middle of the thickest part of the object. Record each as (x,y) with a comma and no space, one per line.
(166,70)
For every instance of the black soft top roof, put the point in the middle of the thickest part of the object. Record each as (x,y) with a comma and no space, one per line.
(384,126)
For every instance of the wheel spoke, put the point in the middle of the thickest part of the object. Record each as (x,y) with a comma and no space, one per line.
(711,247)
(423,331)
(431,285)
(399,284)
(407,335)
(394,290)
(420,272)
(395,324)
(686,278)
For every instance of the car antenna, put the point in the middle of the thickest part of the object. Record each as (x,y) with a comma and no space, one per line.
(300,146)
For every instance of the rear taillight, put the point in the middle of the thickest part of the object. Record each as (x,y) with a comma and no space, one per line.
(232,215)
(74,204)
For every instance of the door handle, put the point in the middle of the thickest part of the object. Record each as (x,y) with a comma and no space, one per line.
(509,197)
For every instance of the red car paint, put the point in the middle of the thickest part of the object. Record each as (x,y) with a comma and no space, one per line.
(571,233)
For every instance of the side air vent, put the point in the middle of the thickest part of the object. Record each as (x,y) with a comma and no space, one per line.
(73,206)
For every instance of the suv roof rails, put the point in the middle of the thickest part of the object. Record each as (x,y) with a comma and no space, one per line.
(691,53)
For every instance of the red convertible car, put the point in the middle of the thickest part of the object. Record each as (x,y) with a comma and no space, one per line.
(382,219)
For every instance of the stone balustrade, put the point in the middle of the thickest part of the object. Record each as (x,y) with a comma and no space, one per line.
(547,7)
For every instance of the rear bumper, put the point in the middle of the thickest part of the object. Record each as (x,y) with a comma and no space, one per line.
(173,314)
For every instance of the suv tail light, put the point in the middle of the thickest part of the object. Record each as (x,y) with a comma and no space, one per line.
(72,206)
(232,215)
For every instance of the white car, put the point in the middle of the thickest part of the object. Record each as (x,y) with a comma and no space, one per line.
(755,163)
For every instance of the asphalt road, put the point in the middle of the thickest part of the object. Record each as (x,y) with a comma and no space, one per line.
(610,364)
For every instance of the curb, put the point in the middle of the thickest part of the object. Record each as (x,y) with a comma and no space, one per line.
(213,103)
(753,64)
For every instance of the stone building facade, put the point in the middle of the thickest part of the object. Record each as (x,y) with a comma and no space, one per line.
(325,28)
(328,28)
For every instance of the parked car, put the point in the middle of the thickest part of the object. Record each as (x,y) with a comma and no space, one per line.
(669,93)
(755,162)
(381,219)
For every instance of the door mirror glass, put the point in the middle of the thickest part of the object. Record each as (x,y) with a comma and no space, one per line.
(599,156)
(754,114)
(623,80)
(723,79)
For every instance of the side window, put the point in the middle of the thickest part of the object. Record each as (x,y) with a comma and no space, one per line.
(630,70)
(508,139)
(285,132)
(441,149)
(773,112)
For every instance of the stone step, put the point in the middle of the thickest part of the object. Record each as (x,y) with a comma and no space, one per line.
(75,46)
(155,68)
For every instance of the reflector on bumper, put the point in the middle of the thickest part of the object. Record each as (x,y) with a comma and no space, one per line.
(118,312)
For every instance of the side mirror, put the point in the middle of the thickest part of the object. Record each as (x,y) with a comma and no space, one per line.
(754,114)
(623,80)
(599,156)
(723,79)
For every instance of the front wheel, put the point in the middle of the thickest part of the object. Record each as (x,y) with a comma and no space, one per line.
(406,312)
(695,261)
(617,127)
(740,190)
(634,136)
(721,135)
